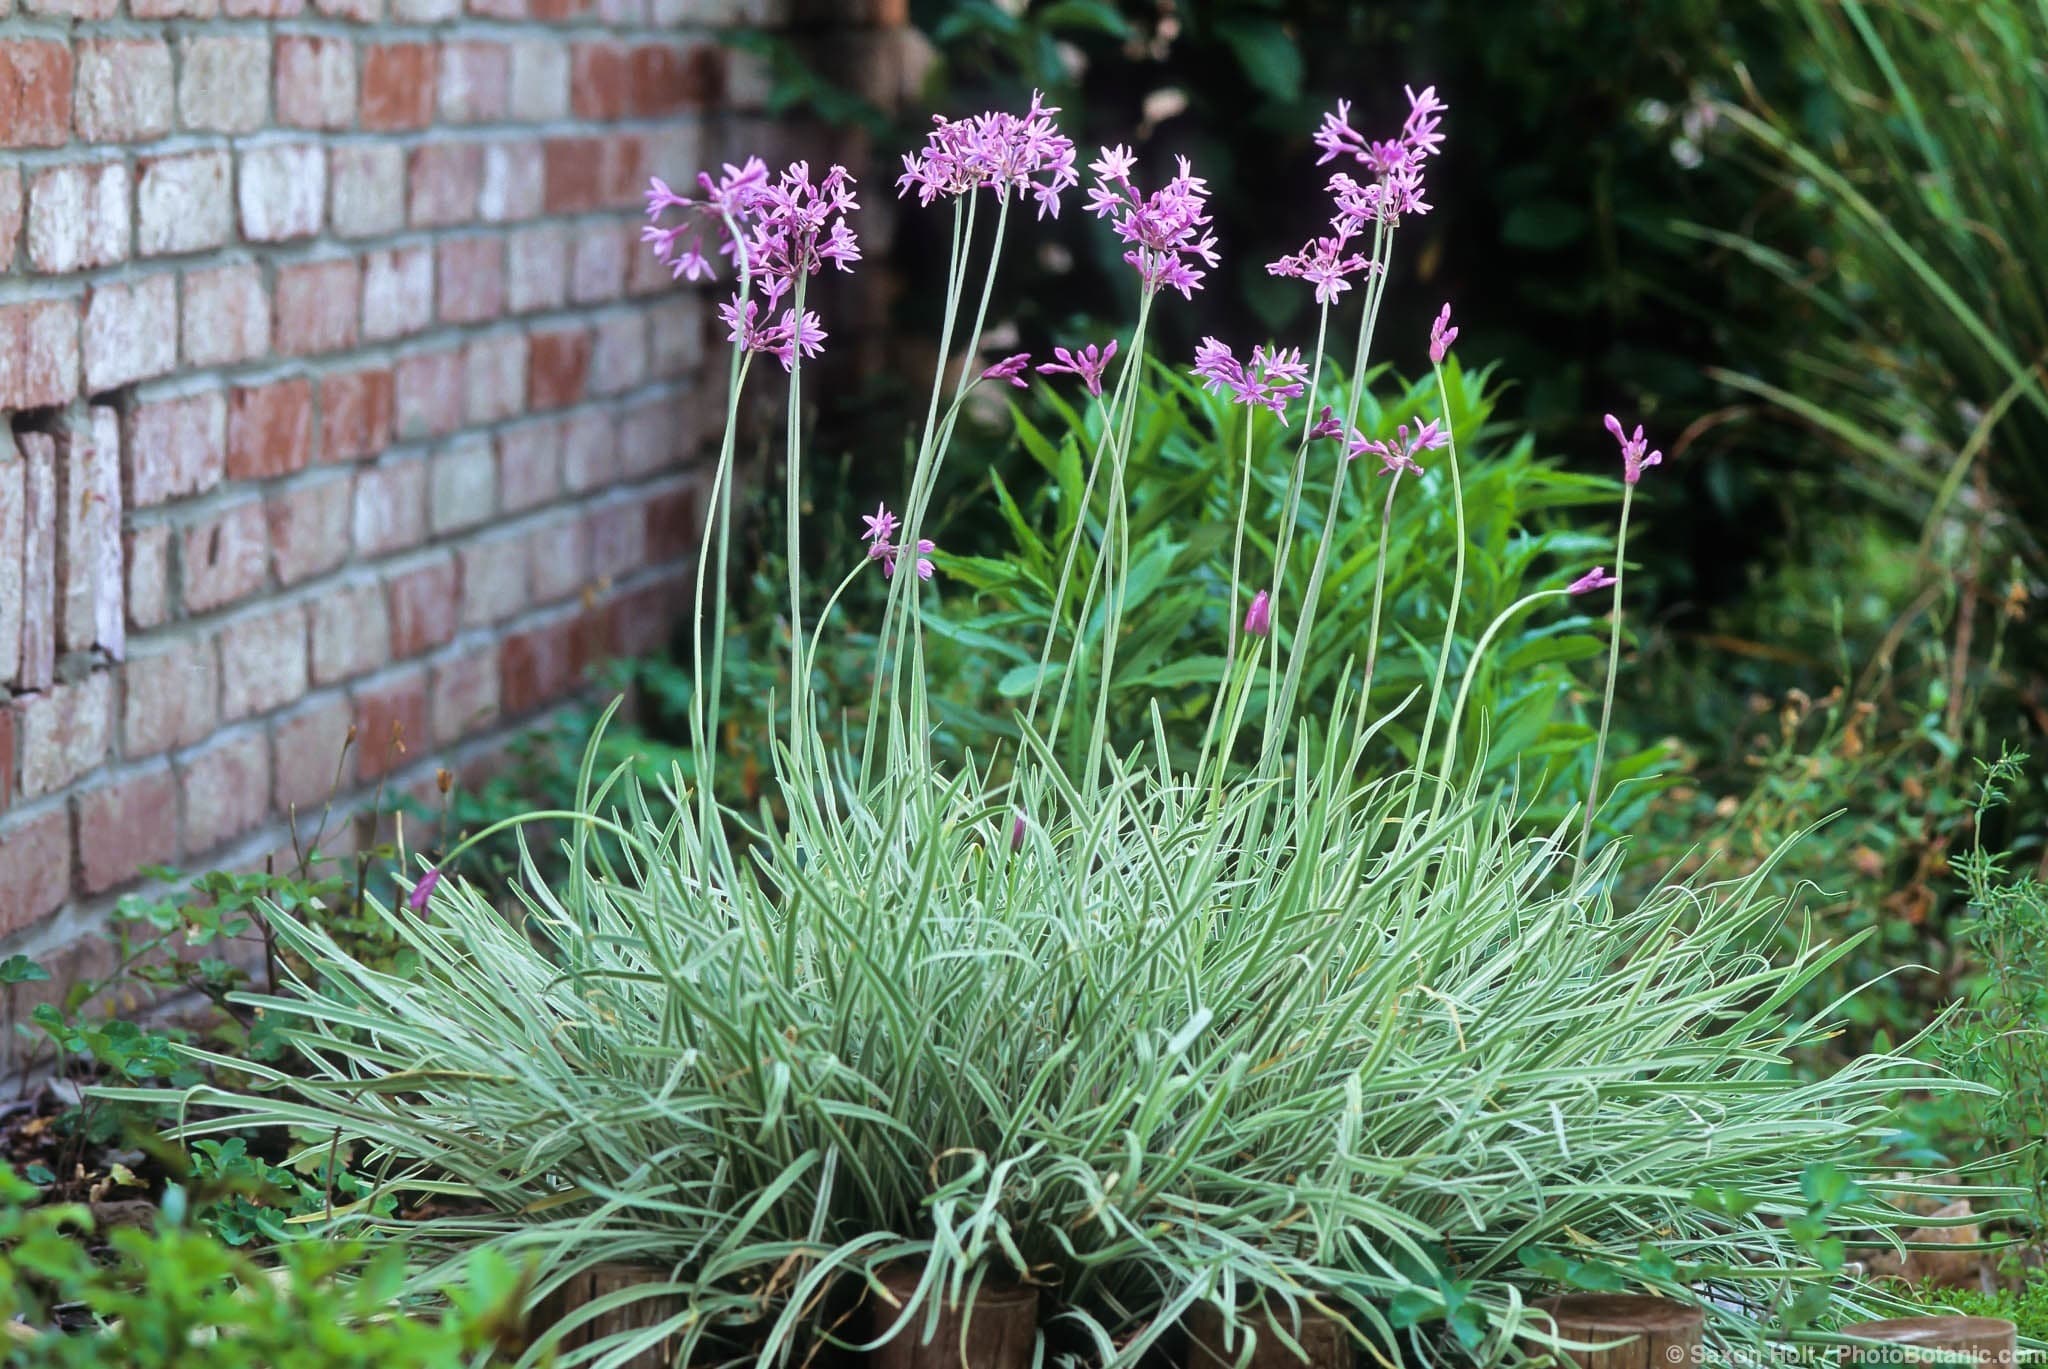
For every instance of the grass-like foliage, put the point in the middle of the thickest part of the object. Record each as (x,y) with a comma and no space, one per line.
(1254,1029)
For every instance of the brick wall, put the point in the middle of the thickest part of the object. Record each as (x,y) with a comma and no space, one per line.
(335,392)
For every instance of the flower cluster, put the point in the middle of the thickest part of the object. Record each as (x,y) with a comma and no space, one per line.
(1089,364)
(1636,456)
(1164,229)
(730,197)
(1399,454)
(1421,137)
(1326,263)
(782,338)
(881,526)
(1001,152)
(1269,380)
(1393,190)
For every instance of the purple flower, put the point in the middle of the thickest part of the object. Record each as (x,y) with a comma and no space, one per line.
(1269,380)
(1089,364)
(1395,165)
(1017,830)
(1324,263)
(881,524)
(1399,454)
(1636,456)
(1596,578)
(782,339)
(1258,619)
(993,151)
(1163,228)
(681,247)
(422,891)
(1010,368)
(1441,336)
(1327,424)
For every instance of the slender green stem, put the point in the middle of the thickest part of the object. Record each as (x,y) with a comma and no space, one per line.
(1231,623)
(799,668)
(1379,586)
(1475,665)
(1443,656)
(1628,494)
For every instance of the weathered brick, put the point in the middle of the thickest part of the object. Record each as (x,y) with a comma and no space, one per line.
(465,692)
(309,748)
(310,527)
(318,304)
(226,789)
(445,180)
(35,93)
(36,667)
(355,414)
(270,429)
(227,315)
(351,632)
(618,538)
(149,575)
(72,9)
(368,187)
(424,11)
(10,213)
(282,191)
(425,600)
(89,562)
(391,725)
(560,365)
(559,550)
(529,465)
(38,353)
(170,695)
(599,80)
(642,620)
(540,80)
(474,82)
(498,9)
(464,484)
(78,217)
(127,823)
(538,666)
(124,90)
(64,732)
(35,867)
(263,661)
(316,81)
(494,579)
(173,9)
(175,447)
(13,515)
(513,183)
(494,379)
(598,272)
(471,272)
(262,9)
(398,293)
(130,332)
(662,80)
(397,86)
(676,346)
(618,355)
(430,392)
(573,174)
(224,556)
(537,268)
(391,507)
(182,203)
(672,520)
(590,450)
(223,83)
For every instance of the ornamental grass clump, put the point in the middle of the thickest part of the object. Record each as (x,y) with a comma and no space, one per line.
(1269,1034)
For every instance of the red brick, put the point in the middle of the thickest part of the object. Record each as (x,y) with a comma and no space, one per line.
(643,619)
(622,177)
(124,825)
(174,9)
(35,93)
(309,748)
(559,549)
(282,191)
(618,538)
(475,82)
(574,174)
(130,331)
(224,556)
(317,306)
(360,11)
(88,567)
(316,81)
(538,667)
(176,447)
(223,82)
(182,204)
(170,696)
(391,507)
(430,392)
(554,11)
(590,451)
(226,789)
(465,693)
(38,353)
(263,661)
(494,377)
(124,90)
(529,465)
(64,732)
(351,632)
(397,86)
(560,363)
(425,600)
(10,213)
(368,187)
(227,315)
(149,576)
(672,522)
(471,272)
(494,579)
(598,272)
(310,527)
(653,436)
(662,81)
(36,665)
(270,429)
(355,414)
(78,217)
(72,9)
(398,293)
(391,726)
(618,357)
(537,268)
(600,80)
(540,80)
(514,182)
(465,484)
(498,9)
(445,179)
(677,344)
(262,9)
(35,868)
